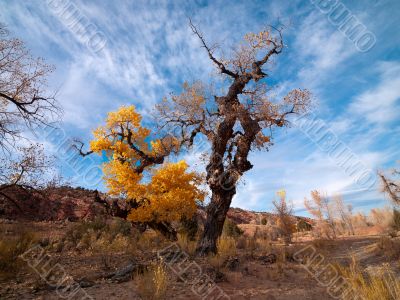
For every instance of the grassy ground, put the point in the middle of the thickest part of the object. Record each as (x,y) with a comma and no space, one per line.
(246,267)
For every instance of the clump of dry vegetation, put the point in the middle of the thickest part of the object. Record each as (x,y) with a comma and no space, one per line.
(186,244)
(153,284)
(226,248)
(11,247)
(383,284)
(99,236)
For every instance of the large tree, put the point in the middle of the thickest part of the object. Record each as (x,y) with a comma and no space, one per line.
(24,103)
(236,121)
(157,192)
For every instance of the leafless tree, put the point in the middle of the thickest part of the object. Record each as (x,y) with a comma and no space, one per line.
(235,122)
(391,186)
(23,100)
(321,208)
(345,212)
(29,169)
(286,221)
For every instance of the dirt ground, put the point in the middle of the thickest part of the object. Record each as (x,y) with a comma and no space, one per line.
(251,276)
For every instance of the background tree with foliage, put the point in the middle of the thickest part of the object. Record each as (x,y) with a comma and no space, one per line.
(236,121)
(157,192)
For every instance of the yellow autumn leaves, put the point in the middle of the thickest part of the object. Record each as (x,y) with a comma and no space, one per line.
(171,194)
(169,191)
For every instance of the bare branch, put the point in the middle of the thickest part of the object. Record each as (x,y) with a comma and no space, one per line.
(78,145)
(220,65)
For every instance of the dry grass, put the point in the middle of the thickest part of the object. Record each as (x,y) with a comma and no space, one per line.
(153,284)
(10,250)
(150,240)
(226,248)
(324,245)
(383,285)
(99,237)
(186,244)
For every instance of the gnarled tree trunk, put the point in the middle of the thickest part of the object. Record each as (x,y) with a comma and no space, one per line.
(165,229)
(216,214)
(117,210)
(233,123)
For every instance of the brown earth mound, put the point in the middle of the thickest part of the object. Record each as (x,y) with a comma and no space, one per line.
(53,204)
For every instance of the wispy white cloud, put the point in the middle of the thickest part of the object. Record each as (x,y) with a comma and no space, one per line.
(380,104)
(150,51)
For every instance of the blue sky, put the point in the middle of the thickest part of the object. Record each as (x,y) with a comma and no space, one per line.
(149,51)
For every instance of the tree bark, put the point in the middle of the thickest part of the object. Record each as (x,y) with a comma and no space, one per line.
(116,210)
(165,229)
(216,214)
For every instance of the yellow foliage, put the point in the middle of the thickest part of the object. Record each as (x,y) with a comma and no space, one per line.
(172,191)
(171,194)
(281,194)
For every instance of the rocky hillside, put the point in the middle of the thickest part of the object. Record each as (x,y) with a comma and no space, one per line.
(53,204)
(241,216)
(68,203)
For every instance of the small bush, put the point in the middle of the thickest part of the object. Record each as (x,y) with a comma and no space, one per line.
(264,221)
(231,229)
